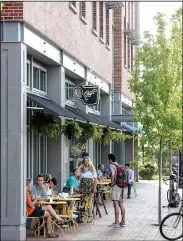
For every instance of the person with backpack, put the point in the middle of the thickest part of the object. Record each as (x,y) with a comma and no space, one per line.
(119,180)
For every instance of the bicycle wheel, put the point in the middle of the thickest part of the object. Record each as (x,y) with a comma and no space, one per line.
(171,226)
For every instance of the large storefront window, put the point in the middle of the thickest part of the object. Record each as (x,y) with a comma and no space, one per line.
(97,154)
(36,154)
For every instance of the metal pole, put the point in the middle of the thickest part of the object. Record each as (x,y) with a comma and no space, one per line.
(171,172)
(178,166)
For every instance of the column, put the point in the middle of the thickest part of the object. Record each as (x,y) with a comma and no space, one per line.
(13,141)
(56,149)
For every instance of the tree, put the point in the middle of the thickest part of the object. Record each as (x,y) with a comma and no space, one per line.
(156,83)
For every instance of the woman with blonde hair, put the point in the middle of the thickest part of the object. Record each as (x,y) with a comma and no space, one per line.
(88,182)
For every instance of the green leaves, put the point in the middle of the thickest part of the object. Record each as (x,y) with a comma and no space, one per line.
(156,82)
(52,128)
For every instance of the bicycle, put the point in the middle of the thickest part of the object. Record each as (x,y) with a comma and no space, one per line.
(176,221)
(173,197)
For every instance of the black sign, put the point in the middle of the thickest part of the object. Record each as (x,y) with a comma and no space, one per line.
(89,94)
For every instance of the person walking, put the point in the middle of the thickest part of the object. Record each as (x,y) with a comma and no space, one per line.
(117,194)
(130,179)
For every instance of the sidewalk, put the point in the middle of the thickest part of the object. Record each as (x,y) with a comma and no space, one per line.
(141,213)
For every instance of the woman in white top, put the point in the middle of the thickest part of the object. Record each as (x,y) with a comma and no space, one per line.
(88,181)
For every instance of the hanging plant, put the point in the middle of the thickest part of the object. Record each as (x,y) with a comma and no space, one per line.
(72,129)
(107,136)
(91,132)
(46,124)
(119,136)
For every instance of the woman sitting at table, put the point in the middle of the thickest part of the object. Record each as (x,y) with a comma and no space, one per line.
(51,184)
(47,178)
(88,179)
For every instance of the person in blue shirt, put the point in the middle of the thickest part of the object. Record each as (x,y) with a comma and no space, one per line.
(73,181)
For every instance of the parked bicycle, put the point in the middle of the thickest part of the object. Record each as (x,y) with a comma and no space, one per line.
(173,197)
(171,225)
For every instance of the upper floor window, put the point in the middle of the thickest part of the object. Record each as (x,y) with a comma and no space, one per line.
(96,107)
(39,78)
(28,74)
(69,90)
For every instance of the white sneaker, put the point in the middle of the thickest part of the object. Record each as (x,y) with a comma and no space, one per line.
(114,225)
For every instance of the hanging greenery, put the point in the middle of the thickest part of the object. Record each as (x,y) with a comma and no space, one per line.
(72,129)
(91,132)
(46,124)
(110,135)
(107,136)
(119,136)
(51,126)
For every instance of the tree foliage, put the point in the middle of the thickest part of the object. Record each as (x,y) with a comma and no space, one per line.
(156,82)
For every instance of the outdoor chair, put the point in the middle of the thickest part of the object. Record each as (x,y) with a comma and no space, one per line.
(69,216)
(37,221)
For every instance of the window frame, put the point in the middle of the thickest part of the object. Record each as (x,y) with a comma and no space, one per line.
(29,67)
(30,157)
(68,88)
(40,68)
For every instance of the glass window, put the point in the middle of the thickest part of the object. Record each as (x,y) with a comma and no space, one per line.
(28,74)
(42,81)
(39,79)
(35,78)
(42,154)
(69,90)
(35,155)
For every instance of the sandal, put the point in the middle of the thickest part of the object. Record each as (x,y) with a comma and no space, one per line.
(52,235)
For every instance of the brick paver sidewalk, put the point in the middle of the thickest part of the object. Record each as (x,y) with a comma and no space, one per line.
(141,213)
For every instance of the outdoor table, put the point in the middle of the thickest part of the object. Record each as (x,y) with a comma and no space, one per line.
(103,183)
(51,203)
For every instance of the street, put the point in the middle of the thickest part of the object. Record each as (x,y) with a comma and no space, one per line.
(141,214)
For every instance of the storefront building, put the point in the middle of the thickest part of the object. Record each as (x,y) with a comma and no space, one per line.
(45,53)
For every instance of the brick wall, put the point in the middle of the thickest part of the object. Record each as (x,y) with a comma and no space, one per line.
(101,19)
(94,15)
(107,27)
(60,24)
(127,60)
(12,11)
(117,50)
(83,9)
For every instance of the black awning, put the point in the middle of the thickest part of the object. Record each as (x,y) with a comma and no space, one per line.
(101,120)
(82,114)
(52,108)
(95,119)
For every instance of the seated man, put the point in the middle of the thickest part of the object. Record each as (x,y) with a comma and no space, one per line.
(38,189)
(100,171)
(107,173)
(46,211)
(73,181)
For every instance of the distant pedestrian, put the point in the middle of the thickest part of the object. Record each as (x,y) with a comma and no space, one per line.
(117,194)
(130,179)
